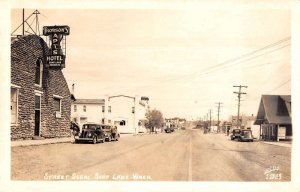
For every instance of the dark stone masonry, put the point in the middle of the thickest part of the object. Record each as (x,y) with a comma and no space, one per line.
(25,52)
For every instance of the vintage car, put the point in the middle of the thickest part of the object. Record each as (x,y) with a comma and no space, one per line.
(91,132)
(242,135)
(111,132)
(95,132)
(246,135)
(235,134)
(168,130)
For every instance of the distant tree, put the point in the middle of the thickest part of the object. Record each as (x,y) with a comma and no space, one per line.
(154,119)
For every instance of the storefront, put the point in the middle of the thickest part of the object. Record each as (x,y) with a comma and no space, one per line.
(40,97)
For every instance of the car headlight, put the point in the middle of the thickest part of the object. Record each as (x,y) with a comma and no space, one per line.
(89,134)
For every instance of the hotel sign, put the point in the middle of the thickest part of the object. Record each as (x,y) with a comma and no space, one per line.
(56,58)
(56,61)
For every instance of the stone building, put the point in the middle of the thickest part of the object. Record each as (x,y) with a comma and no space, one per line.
(40,97)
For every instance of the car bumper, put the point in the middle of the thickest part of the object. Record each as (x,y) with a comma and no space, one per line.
(83,139)
(243,139)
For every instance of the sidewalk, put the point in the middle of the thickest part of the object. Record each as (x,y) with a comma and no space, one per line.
(50,141)
(279,143)
(41,142)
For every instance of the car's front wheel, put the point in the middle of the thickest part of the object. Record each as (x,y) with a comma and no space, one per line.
(95,139)
(103,139)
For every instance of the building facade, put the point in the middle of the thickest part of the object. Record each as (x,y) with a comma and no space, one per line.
(274,117)
(250,120)
(40,97)
(88,110)
(127,112)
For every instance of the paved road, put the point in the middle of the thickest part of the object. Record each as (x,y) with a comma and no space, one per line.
(185,155)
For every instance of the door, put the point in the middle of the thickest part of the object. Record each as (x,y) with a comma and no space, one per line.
(37,117)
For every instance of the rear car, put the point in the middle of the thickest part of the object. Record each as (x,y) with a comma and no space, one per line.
(111,132)
(246,135)
(242,135)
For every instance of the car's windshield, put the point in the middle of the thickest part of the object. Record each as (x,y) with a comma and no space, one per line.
(106,127)
(90,126)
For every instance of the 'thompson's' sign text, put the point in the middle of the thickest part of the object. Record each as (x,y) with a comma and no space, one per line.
(50,30)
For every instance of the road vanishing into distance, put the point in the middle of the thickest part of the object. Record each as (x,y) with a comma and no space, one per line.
(184,155)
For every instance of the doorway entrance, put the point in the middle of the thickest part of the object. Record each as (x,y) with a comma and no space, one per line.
(37,117)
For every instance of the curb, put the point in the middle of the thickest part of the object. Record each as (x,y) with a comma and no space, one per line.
(39,142)
(278,144)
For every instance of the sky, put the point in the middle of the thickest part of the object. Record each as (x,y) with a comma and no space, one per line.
(184,60)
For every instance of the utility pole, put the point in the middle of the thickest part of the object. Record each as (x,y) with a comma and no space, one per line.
(210,120)
(207,120)
(239,101)
(219,106)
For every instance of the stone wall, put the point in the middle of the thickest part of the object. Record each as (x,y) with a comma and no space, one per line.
(24,53)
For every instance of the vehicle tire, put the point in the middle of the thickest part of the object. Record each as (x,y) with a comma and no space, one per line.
(76,141)
(103,139)
(95,140)
(117,137)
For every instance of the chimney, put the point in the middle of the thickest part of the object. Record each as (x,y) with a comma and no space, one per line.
(73,85)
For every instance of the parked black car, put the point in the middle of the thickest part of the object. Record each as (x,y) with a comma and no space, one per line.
(91,132)
(242,135)
(168,130)
(235,134)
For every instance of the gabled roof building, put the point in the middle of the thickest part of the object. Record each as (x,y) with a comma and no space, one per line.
(275,117)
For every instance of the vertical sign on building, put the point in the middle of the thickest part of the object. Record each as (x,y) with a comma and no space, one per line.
(56,58)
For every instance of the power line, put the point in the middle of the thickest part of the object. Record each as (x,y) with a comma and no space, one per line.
(242,56)
(249,59)
(225,64)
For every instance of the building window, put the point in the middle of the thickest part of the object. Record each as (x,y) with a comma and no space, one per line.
(109,109)
(38,72)
(122,123)
(133,109)
(83,120)
(109,121)
(103,109)
(75,108)
(57,104)
(37,104)
(103,120)
(84,108)
(14,105)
